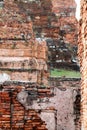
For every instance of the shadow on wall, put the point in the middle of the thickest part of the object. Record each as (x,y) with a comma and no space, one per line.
(77,109)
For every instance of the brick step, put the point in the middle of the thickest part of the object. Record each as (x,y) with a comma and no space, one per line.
(22,64)
(18,76)
(23,77)
(22,53)
(23,44)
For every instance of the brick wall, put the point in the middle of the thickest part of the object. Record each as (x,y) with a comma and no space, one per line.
(83,61)
(23,64)
(55,22)
(13,115)
(22,60)
(22,57)
(52,18)
(60,104)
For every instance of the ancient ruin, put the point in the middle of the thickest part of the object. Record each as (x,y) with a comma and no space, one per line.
(22,66)
(31,31)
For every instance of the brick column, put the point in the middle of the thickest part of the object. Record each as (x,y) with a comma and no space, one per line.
(83,62)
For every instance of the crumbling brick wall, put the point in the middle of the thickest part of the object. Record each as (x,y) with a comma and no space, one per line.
(83,62)
(55,22)
(23,64)
(22,57)
(23,60)
(61,105)
(13,115)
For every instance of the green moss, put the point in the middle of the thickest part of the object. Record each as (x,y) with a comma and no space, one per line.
(65,73)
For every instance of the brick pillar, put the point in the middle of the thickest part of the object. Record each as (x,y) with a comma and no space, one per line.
(22,56)
(23,60)
(83,62)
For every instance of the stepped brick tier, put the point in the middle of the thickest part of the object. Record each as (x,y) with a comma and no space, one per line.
(26,100)
(52,18)
(22,57)
(55,22)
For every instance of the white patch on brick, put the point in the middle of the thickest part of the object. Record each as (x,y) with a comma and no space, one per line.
(49,118)
(78,9)
(4,77)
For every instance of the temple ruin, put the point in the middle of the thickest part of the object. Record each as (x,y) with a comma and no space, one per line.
(33,35)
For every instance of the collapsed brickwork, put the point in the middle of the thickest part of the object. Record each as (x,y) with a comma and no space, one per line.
(20,53)
(61,105)
(83,62)
(22,60)
(23,68)
(13,115)
(56,23)
(63,47)
(52,19)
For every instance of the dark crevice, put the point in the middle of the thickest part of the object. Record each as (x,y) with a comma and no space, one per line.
(77,108)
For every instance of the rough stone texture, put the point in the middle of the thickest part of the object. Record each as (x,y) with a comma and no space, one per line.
(67,101)
(49,116)
(60,104)
(54,21)
(23,58)
(12,113)
(51,16)
(63,47)
(83,62)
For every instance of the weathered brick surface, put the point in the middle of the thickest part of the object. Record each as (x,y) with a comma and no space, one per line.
(50,17)
(83,62)
(23,56)
(42,100)
(19,47)
(12,113)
